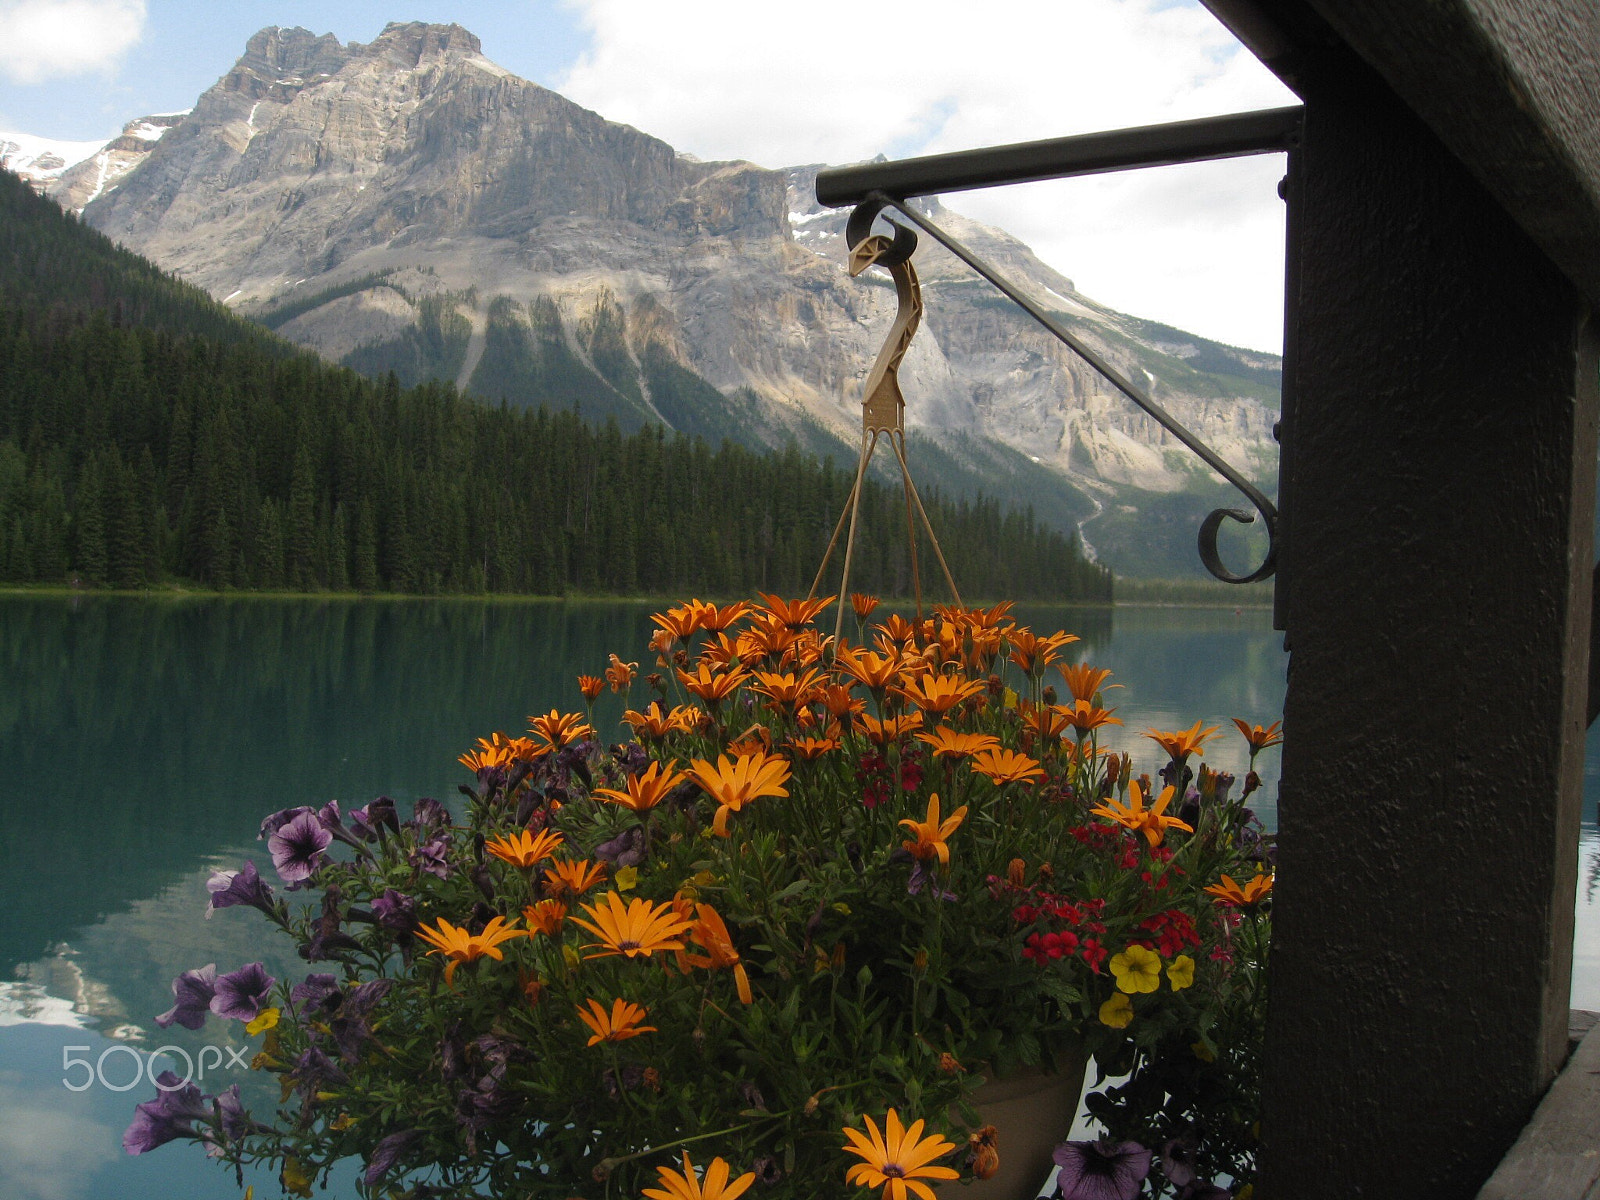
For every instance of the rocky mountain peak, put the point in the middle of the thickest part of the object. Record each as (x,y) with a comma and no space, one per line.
(412,43)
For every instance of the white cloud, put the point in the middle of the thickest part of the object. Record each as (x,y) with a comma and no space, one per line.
(1198,247)
(46,39)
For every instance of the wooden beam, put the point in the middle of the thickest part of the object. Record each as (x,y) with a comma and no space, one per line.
(1558,1155)
(1511,87)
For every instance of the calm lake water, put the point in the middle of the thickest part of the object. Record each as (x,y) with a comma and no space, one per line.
(141,743)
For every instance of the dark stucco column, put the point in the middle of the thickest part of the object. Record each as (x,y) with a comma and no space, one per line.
(1440,468)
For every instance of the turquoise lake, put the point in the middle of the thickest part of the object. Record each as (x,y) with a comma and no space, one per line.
(141,743)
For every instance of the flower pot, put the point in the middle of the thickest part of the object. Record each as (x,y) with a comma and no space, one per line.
(1033,1111)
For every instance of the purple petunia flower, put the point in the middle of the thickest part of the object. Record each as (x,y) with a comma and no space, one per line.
(242,994)
(429,856)
(349,1027)
(315,991)
(231,1116)
(243,886)
(920,876)
(395,910)
(1177,1161)
(297,846)
(168,1117)
(281,818)
(624,850)
(370,820)
(193,991)
(427,814)
(1102,1170)
(386,1152)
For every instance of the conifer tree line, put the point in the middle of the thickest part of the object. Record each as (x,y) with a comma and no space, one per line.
(147,436)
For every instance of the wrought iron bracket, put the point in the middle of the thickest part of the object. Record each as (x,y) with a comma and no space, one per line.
(873,187)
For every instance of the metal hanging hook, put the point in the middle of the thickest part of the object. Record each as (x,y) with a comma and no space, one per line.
(867,211)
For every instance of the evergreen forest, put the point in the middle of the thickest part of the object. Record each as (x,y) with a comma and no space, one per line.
(148,436)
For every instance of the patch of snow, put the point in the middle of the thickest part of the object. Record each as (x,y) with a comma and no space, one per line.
(1149,378)
(44,158)
(801,218)
(483,64)
(146,132)
(103,161)
(250,121)
(231,295)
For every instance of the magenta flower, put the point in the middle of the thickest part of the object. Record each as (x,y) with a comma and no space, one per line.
(193,991)
(297,846)
(242,994)
(1102,1170)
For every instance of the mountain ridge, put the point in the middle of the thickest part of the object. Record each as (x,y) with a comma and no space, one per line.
(460,223)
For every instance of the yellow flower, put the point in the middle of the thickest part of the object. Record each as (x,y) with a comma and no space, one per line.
(621,1023)
(459,946)
(896,1160)
(646,789)
(1117,1012)
(265,1019)
(1203,1052)
(1229,892)
(1152,822)
(1006,766)
(637,928)
(1138,970)
(522,849)
(687,1186)
(734,784)
(1180,972)
(627,879)
(930,834)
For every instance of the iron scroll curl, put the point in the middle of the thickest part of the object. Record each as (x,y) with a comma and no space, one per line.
(860,223)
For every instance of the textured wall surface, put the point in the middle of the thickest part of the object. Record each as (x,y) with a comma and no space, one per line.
(1440,470)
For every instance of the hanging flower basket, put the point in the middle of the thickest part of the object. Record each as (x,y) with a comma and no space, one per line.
(792,936)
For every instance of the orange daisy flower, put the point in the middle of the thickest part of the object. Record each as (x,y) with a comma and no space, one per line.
(633,929)
(890,729)
(1083,681)
(786,688)
(938,694)
(710,933)
(1006,766)
(1258,737)
(897,1159)
(1032,653)
(559,729)
(620,674)
(687,1186)
(652,723)
(1044,722)
(810,748)
(621,1023)
(794,614)
(645,790)
(522,849)
(591,686)
(863,605)
(1152,822)
(951,744)
(501,752)
(714,620)
(1229,892)
(459,946)
(876,671)
(1085,716)
(898,630)
(712,686)
(572,875)
(545,917)
(734,784)
(930,834)
(678,623)
(1183,743)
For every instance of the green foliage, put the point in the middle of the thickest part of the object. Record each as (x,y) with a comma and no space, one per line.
(280,316)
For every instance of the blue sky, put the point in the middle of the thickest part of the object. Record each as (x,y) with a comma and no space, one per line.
(1199,247)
